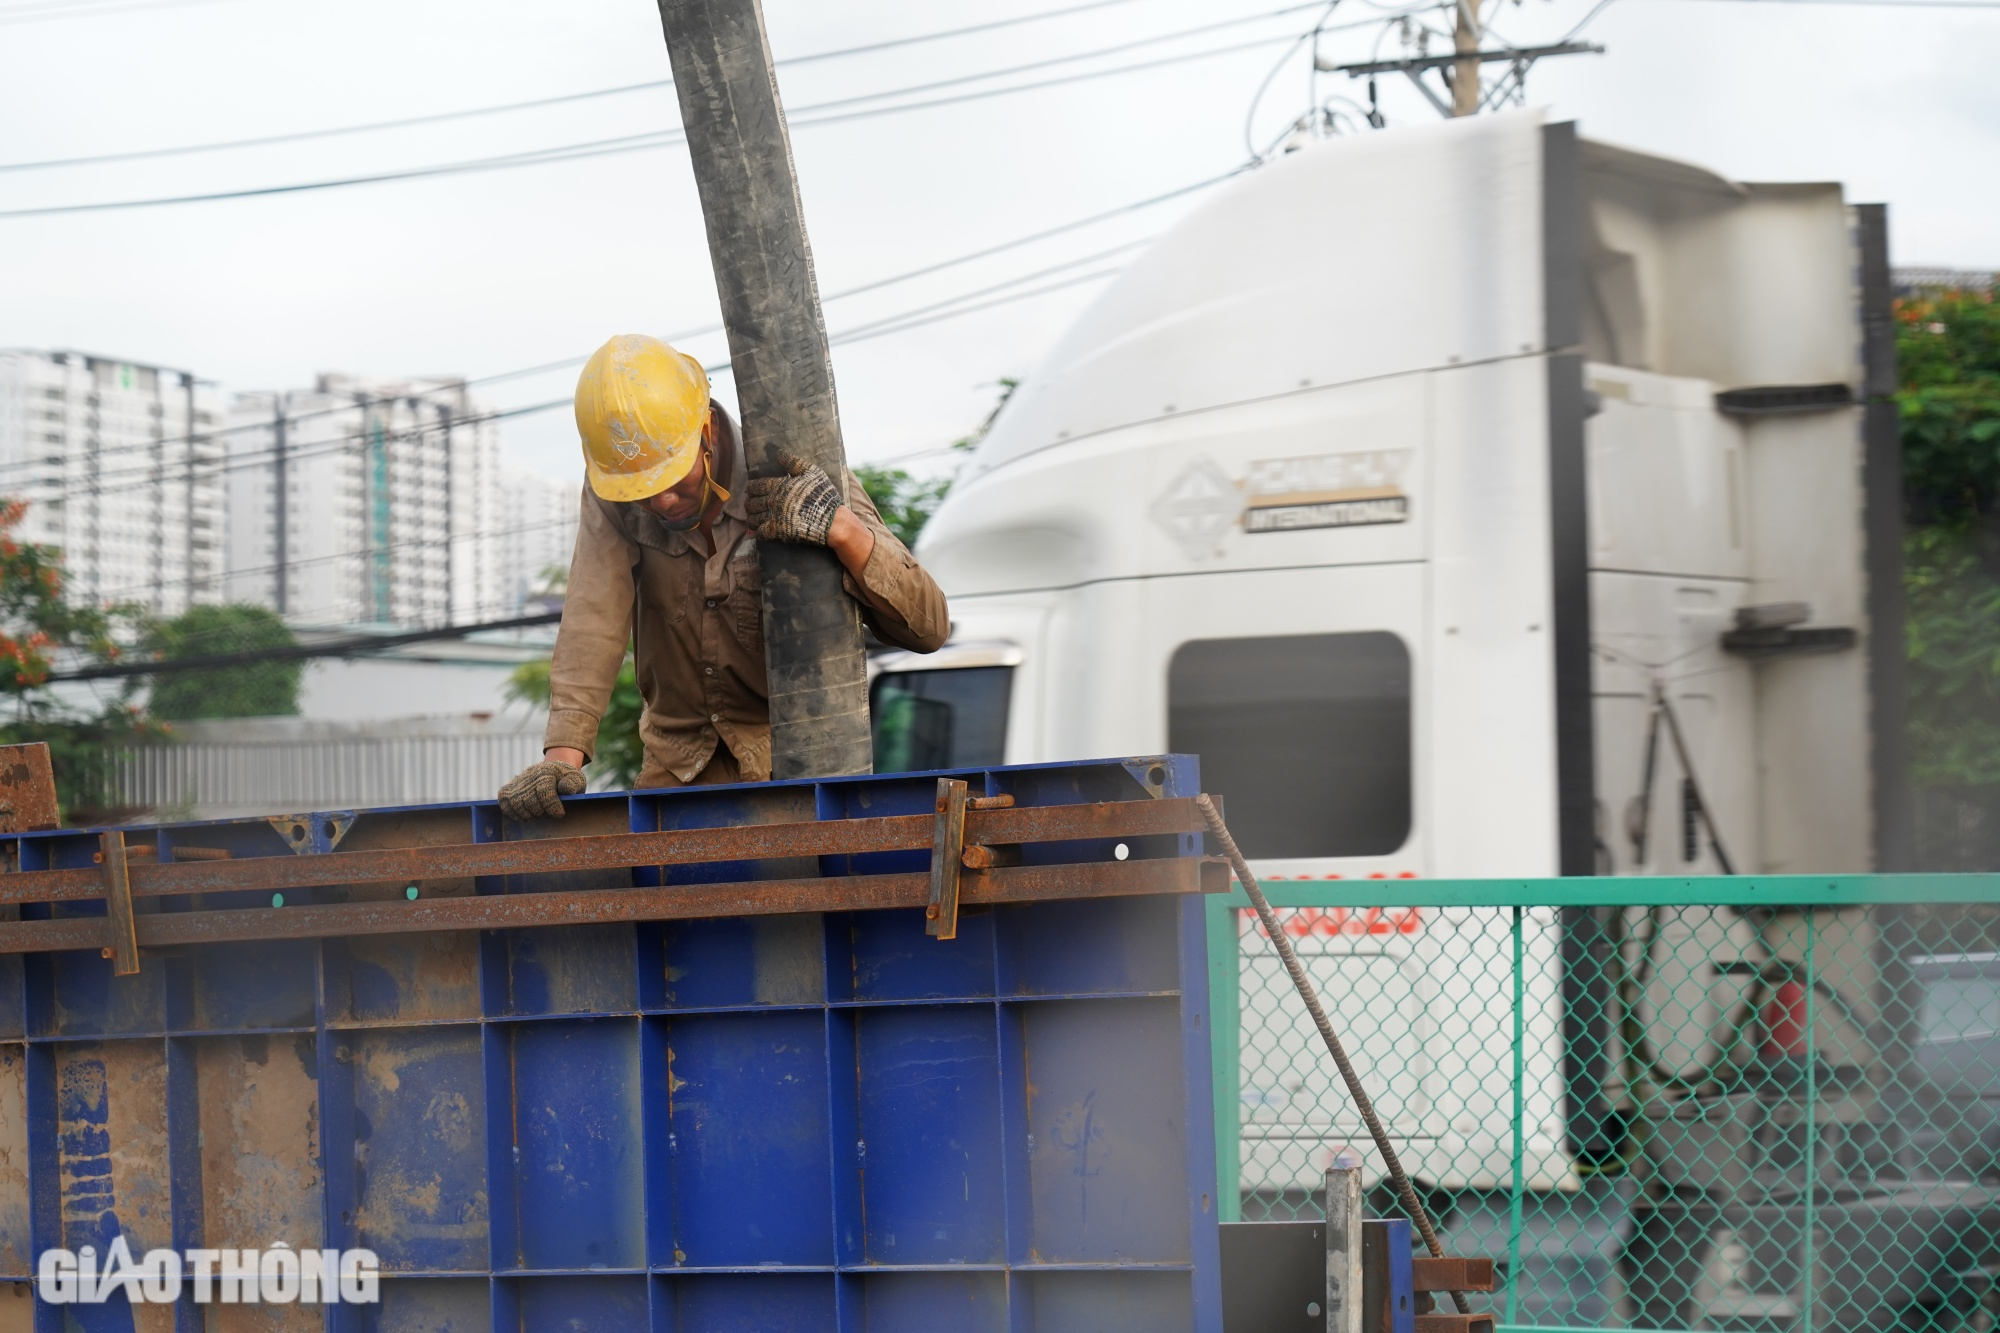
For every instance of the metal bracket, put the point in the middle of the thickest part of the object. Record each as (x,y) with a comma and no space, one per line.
(123,951)
(947,849)
(1149,772)
(313,834)
(1388,1302)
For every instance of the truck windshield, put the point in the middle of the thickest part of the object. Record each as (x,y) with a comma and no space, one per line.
(1306,736)
(953,717)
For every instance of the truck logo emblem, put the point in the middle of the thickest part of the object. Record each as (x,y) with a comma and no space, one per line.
(1327,491)
(1346,490)
(1198,508)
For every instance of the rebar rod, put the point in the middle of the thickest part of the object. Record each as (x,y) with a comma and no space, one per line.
(1362,1102)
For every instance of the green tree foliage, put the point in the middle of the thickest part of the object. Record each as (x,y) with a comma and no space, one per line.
(36,624)
(258,689)
(1948,349)
(907,502)
(619,752)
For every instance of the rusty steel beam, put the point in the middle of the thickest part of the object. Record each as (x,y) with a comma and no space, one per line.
(1454,1323)
(27,788)
(118,918)
(1450,1274)
(947,850)
(755,842)
(839,893)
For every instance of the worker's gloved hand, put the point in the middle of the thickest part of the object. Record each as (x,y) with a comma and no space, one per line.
(797,508)
(537,791)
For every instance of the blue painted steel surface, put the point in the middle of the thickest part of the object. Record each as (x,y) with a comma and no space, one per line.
(780,1123)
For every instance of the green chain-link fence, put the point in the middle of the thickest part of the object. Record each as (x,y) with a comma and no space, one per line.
(1766,1104)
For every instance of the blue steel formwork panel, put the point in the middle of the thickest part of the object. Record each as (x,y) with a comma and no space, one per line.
(804,1122)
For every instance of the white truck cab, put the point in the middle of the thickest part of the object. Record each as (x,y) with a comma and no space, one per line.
(1393,479)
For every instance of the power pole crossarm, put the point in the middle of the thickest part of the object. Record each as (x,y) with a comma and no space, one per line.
(1418,64)
(784,372)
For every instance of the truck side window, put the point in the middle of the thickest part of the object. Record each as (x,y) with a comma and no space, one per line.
(953,717)
(1306,737)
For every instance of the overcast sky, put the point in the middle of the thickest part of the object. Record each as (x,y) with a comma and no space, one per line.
(481,273)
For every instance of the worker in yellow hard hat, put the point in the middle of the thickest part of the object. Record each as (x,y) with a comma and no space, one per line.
(666,564)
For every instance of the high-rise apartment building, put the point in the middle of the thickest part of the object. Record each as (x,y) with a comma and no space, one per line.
(538,526)
(121,469)
(366,502)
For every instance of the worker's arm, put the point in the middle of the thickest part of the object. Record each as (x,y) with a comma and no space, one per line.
(903,603)
(900,602)
(596,630)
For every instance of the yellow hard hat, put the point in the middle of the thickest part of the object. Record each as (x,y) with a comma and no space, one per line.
(640,408)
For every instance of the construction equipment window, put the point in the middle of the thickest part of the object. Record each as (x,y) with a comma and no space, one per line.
(1306,737)
(955,717)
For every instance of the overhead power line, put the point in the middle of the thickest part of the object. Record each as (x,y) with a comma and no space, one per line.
(881,328)
(357,645)
(653,85)
(925,270)
(538,157)
(990,26)
(264,571)
(302,136)
(647,141)
(901,323)
(42,13)
(1881,4)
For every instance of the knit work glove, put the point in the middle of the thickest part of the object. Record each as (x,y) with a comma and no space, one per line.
(537,792)
(796,508)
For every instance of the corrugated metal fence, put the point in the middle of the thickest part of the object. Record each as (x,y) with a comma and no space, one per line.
(206,779)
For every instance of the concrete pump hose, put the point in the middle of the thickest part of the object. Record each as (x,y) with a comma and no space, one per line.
(1362,1102)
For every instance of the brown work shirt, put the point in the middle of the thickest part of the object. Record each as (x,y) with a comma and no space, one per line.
(695,622)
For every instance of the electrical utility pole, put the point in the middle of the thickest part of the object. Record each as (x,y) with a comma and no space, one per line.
(1465,35)
(450,513)
(280,506)
(187,443)
(784,372)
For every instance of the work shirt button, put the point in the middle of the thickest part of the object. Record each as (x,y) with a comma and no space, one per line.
(715,717)
(708,671)
(710,603)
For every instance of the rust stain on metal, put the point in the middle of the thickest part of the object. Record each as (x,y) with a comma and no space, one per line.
(112,1146)
(123,939)
(403,830)
(15,1260)
(416,976)
(1450,1274)
(565,969)
(382,1066)
(262,1318)
(847,893)
(947,846)
(27,789)
(787,960)
(617,851)
(403,1196)
(977,857)
(1454,1323)
(260,1175)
